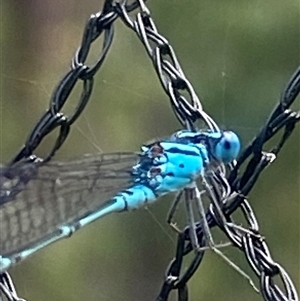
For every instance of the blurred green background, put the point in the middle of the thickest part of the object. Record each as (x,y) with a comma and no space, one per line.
(238,54)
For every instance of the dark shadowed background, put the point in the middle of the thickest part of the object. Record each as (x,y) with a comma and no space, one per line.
(238,54)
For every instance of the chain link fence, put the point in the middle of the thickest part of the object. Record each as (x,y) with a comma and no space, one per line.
(189,111)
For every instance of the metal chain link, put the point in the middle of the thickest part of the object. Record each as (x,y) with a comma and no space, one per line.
(98,24)
(246,239)
(7,288)
(188,112)
(167,67)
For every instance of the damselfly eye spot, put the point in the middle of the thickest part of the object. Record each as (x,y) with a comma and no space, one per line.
(227,144)
(181,165)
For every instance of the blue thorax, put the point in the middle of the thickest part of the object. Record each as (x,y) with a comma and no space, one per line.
(173,164)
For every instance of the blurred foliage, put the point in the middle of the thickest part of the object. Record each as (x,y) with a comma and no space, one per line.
(238,54)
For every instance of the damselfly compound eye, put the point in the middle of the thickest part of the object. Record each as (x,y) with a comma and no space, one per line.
(228,147)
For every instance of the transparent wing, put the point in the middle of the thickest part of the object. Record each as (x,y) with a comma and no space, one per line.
(36,200)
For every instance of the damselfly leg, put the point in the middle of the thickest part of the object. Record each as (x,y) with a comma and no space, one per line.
(172,212)
(189,200)
(207,232)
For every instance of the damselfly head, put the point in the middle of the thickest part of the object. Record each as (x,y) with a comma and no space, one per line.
(227,147)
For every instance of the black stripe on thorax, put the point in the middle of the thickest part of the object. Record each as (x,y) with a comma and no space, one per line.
(175,150)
